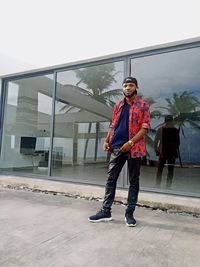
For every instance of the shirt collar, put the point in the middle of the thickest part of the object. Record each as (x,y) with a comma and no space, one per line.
(123,101)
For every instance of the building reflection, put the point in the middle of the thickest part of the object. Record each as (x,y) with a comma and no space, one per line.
(166,145)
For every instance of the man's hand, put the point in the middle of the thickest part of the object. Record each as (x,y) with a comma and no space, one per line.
(125,148)
(106,146)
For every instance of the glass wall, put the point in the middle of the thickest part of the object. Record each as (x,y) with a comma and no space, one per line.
(170,82)
(0,88)
(84,101)
(0,94)
(0,112)
(26,126)
(84,97)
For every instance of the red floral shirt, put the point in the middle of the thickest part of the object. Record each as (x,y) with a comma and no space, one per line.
(139,117)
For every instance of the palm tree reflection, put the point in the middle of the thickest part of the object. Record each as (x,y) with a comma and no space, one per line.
(97,81)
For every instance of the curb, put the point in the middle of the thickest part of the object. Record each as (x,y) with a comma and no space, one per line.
(169,203)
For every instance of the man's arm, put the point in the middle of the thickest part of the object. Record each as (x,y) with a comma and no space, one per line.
(105,144)
(140,135)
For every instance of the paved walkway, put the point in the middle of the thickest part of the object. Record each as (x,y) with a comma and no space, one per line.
(43,230)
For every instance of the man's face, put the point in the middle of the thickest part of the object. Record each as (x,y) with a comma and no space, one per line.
(129,89)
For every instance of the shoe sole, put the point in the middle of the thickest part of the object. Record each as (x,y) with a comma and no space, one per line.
(100,220)
(130,225)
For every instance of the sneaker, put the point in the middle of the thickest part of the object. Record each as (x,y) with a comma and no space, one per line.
(101,216)
(129,219)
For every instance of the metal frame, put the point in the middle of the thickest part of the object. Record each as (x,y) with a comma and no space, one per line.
(2,108)
(52,125)
(151,50)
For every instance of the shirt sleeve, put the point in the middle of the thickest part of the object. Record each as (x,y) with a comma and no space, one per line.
(112,118)
(146,117)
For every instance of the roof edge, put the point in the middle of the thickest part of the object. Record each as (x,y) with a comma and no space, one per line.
(105,57)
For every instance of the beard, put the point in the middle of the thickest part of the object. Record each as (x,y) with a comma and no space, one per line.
(130,95)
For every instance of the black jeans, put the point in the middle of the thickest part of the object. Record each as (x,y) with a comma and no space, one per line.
(116,163)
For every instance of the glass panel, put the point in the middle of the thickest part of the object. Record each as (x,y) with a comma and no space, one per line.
(83,109)
(170,82)
(26,131)
(0,111)
(0,94)
(0,88)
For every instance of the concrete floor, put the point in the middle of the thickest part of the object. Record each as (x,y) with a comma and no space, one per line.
(43,230)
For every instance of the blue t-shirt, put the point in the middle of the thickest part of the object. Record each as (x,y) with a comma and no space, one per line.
(121,133)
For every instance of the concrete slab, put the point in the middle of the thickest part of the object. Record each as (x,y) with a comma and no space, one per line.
(38,229)
(147,199)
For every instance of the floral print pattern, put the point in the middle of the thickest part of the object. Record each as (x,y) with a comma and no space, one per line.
(139,117)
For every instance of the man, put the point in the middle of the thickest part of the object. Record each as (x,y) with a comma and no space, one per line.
(125,140)
(166,146)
